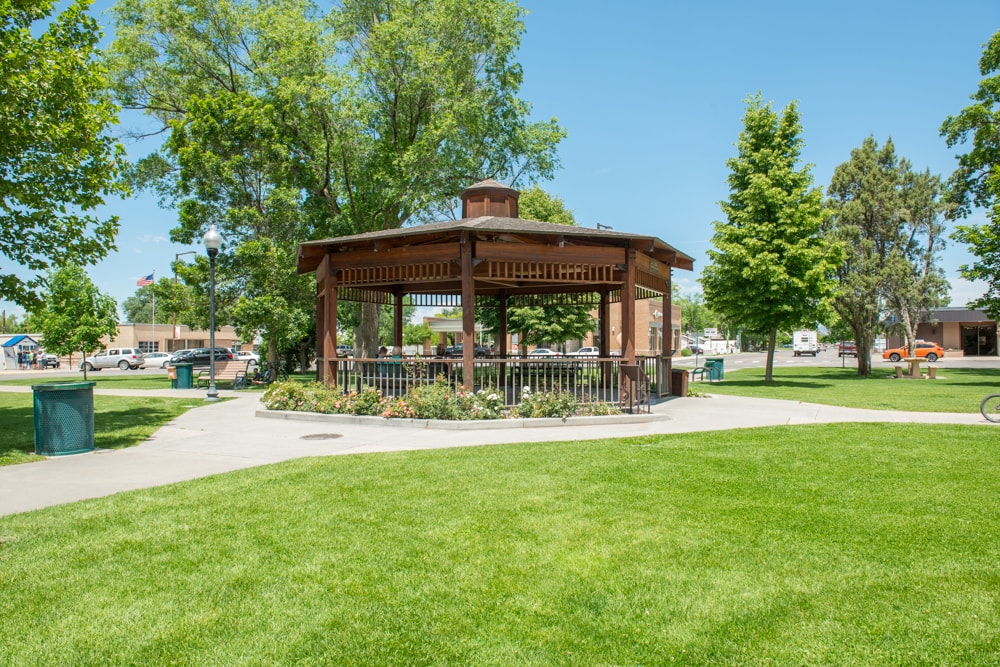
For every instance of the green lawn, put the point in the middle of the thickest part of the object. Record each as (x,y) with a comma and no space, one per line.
(119,421)
(955,390)
(121,381)
(840,544)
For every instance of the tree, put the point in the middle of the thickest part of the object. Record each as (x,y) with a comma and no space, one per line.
(138,308)
(770,269)
(76,315)
(886,218)
(57,164)
(976,182)
(291,125)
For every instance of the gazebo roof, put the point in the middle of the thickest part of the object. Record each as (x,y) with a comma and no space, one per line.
(311,253)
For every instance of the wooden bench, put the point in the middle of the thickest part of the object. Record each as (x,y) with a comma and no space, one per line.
(234,372)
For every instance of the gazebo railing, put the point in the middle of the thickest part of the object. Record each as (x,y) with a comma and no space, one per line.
(589,379)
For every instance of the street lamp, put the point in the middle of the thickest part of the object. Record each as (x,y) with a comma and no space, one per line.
(212,241)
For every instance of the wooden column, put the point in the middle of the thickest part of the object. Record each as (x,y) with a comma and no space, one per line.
(604,344)
(468,314)
(326,322)
(397,318)
(628,309)
(663,384)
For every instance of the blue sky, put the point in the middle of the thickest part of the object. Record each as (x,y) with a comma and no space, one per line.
(652,95)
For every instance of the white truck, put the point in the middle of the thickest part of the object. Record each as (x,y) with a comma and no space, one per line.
(805,342)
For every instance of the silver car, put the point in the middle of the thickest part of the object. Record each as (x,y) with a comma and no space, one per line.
(124,358)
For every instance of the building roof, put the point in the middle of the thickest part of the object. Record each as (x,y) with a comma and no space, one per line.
(18,339)
(311,252)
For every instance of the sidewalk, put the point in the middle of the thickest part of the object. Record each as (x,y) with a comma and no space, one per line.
(227,436)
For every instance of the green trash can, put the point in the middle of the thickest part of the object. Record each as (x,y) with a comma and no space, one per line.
(184,377)
(64,418)
(717,366)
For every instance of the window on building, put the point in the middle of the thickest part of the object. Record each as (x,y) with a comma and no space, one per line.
(147,346)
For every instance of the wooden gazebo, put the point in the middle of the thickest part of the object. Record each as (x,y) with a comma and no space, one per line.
(489,258)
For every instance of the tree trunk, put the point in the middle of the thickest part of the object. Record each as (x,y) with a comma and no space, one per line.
(366,341)
(769,368)
(272,358)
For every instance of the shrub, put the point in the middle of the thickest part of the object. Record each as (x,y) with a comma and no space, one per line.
(554,403)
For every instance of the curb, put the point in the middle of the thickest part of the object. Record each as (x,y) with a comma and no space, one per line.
(452,425)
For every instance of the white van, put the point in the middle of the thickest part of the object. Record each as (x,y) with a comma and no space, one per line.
(805,342)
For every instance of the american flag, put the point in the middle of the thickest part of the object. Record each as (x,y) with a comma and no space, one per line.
(146,280)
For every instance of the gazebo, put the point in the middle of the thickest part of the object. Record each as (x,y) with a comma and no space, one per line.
(489,258)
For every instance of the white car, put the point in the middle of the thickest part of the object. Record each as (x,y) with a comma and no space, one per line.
(585,352)
(246,355)
(154,359)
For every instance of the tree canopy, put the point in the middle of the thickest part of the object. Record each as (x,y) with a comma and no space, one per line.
(57,162)
(976,181)
(886,217)
(293,125)
(770,268)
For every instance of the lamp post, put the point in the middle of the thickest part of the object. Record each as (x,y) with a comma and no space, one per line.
(212,241)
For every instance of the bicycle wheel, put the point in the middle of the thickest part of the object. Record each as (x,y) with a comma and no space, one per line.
(990,407)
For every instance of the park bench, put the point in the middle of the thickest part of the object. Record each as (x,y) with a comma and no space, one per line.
(233,372)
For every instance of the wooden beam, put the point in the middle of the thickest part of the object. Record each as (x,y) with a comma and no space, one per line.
(354,259)
(468,315)
(628,308)
(569,254)
(652,265)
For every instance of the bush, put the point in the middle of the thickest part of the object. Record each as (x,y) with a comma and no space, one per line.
(439,400)
(546,404)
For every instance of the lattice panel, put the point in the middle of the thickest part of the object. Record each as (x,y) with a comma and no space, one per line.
(390,275)
(525,300)
(546,271)
(649,281)
(364,296)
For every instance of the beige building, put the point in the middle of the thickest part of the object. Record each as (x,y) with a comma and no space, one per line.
(962,332)
(168,338)
(649,326)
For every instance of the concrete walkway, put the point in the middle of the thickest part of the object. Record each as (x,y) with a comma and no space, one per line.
(221,437)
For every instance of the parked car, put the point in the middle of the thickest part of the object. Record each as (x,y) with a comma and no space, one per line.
(49,360)
(200,356)
(456,351)
(155,359)
(585,352)
(847,348)
(932,351)
(246,355)
(696,349)
(345,351)
(124,358)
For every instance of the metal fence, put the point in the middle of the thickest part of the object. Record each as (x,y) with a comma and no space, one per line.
(589,379)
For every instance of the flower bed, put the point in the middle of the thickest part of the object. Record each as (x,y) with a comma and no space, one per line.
(439,400)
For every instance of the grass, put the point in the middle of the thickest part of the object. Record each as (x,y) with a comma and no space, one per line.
(955,390)
(119,421)
(129,380)
(839,544)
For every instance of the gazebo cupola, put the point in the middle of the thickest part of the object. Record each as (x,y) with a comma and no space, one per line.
(489,198)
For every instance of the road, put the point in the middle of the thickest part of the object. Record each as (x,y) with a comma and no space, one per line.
(786,358)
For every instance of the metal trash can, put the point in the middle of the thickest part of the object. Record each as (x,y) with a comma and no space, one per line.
(717,365)
(184,377)
(678,382)
(64,418)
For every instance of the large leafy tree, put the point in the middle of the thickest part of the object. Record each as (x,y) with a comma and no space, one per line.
(976,181)
(770,269)
(291,125)
(76,315)
(57,162)
(886,217)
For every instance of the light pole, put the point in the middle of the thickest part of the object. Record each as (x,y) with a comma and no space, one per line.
(212,241)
